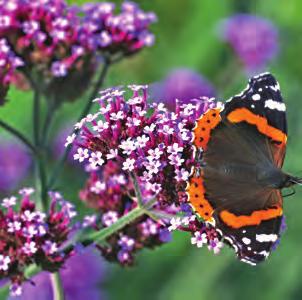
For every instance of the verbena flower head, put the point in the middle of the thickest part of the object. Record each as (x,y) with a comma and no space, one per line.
(29,236)
(129,137)
(125,32)
(45,35)
(15,163)
(145,139)
(184,85)
(81,277)
(253,38)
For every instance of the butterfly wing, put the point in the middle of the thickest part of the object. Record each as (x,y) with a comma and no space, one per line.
(244,148)
(261,105)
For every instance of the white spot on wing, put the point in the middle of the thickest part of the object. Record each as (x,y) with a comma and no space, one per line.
(276,87)
(256,97)
(248,261)
(280,106)
(265,238)
(246,241)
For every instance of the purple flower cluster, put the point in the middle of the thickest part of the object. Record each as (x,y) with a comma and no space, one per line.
(254,39)
(61,44)
(126,32)
(43,33)
(109,192)
(29,236)
(203,234)
(15,163)
(9,62)
(184,85)
(146,140)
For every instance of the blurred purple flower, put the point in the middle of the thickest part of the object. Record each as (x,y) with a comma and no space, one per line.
(14,165)
(184,85)
(81,278)
(254,39)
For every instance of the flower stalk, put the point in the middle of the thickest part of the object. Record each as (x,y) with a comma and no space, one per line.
(56,283)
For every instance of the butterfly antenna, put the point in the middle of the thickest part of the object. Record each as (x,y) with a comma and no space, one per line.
(296,180)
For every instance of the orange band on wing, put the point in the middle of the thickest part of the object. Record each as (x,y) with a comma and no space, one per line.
(255,218)
(243,114)
(204,125)
(197,198)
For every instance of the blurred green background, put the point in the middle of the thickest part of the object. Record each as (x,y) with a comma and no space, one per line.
(187,36)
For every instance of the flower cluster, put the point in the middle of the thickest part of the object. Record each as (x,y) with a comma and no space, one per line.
(61,44)
(9,62)
(203,234)
(146,140)
(126,32)
(43,33)
(29,236)
(110,192)
(254,39)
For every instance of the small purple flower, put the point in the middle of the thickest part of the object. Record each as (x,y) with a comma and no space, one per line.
(183,85)
(253,38)
(15,163)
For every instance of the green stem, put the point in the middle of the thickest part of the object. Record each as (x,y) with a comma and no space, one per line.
(36,117)
(85,111)
(43,183)
(137,189)
(47,124)
(18,135)
(56,283)
(103,234)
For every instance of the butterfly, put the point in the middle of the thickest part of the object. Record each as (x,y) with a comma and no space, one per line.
(237,186)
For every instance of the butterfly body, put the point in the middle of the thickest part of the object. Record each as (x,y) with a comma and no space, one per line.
(238,185)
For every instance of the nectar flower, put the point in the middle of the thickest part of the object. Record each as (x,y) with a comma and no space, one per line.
(155,154)
(157,149)
(46,35)
(254,39)
(29,236)
(203,233)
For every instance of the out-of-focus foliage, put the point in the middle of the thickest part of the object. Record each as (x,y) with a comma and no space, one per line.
(187,36)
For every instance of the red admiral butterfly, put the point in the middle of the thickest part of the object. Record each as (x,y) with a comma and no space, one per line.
(238,184)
